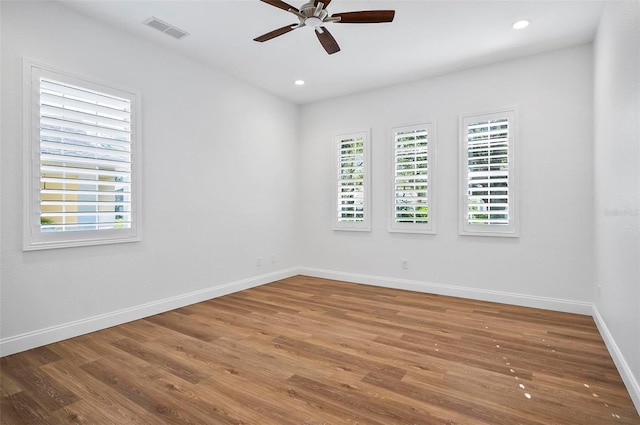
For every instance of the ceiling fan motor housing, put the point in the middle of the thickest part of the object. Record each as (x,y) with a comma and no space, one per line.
(312,15)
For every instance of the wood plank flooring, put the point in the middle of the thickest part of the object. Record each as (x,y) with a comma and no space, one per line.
(308,351)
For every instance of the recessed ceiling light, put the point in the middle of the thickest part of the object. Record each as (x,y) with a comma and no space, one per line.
(521,24)
(299,82)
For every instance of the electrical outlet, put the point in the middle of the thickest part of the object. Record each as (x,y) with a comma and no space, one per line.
(405,264)
(259,261)
(274,259)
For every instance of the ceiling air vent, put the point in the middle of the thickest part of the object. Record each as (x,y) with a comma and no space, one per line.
(168,29)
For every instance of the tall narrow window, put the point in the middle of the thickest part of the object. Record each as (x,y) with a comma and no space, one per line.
(488,175)
(81,155)
(352,209)
(413,206)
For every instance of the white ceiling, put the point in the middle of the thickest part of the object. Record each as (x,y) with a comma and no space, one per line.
(426,38)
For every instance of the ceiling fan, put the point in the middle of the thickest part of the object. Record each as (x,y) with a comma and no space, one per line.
(314,14)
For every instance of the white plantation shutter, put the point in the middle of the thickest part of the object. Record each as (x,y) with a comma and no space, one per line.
(488,174)
(82,152)
(85,159)
(413,162)
(352,182)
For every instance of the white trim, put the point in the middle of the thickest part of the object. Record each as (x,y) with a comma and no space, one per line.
(29,340)
(630,381)
(33,239)
(547,303)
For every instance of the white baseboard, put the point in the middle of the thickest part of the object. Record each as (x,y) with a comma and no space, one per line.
(623,367)
(568,306)
(16,344)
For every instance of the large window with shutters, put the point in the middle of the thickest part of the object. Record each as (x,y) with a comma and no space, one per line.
(82,152)
(413,190)
(488,175)
(352,187)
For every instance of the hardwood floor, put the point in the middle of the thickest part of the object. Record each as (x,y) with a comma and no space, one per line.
(309,351)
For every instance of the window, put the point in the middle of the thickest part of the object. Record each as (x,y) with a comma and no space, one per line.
(488,177)
(81,152)
(413,206)
(352,209)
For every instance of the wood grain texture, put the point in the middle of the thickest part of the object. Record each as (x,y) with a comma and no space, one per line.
(308,351)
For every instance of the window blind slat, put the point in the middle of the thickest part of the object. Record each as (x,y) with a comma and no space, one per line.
(84,128)
(85,227)
(77,166)
(72,139)
(49,98)
(105,164)
(72,149)
(76,192)
(85,182)
(67,214)
(69,115)
(86,95)
(98,204)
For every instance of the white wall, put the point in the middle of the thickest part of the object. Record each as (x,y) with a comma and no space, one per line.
(232,194)
(219,175)
(617,186)
(550,265)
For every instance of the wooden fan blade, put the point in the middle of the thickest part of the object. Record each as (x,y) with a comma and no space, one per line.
(326,39)
(326,3)
(365,16)
(276,33)
(280,4)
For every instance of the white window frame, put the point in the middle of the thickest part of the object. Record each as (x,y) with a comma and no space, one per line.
(33,237)
(511,227)
(340,223)
(414,227)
